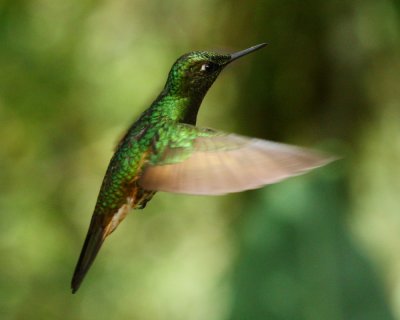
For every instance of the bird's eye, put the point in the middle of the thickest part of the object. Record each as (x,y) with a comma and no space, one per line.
(206,67)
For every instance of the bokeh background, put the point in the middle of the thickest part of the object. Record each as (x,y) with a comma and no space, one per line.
(74,75)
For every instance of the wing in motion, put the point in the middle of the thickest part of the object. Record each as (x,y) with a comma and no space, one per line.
(207,162)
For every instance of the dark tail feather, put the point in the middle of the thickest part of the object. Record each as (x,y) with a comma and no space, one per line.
(91,247)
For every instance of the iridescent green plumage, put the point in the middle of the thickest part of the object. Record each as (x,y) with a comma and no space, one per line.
(164,151)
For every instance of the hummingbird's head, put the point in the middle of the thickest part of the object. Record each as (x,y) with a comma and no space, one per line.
(194,73)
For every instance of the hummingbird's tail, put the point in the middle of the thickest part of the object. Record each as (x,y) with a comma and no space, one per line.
(94,239)
(101,226)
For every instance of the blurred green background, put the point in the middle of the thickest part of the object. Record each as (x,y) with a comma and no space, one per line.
(75,74)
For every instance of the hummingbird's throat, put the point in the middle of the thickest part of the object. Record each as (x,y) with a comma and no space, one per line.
(184,109)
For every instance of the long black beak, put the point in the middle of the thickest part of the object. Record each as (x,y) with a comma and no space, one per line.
(244,52)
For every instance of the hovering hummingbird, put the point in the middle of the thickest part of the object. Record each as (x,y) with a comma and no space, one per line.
(164,151)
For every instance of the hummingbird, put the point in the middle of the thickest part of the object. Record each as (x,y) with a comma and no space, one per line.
(165,151)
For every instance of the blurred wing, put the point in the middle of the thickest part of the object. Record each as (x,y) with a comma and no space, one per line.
(219,163)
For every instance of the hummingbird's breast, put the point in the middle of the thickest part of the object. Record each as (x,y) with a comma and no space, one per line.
(120,182)
(144,140)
